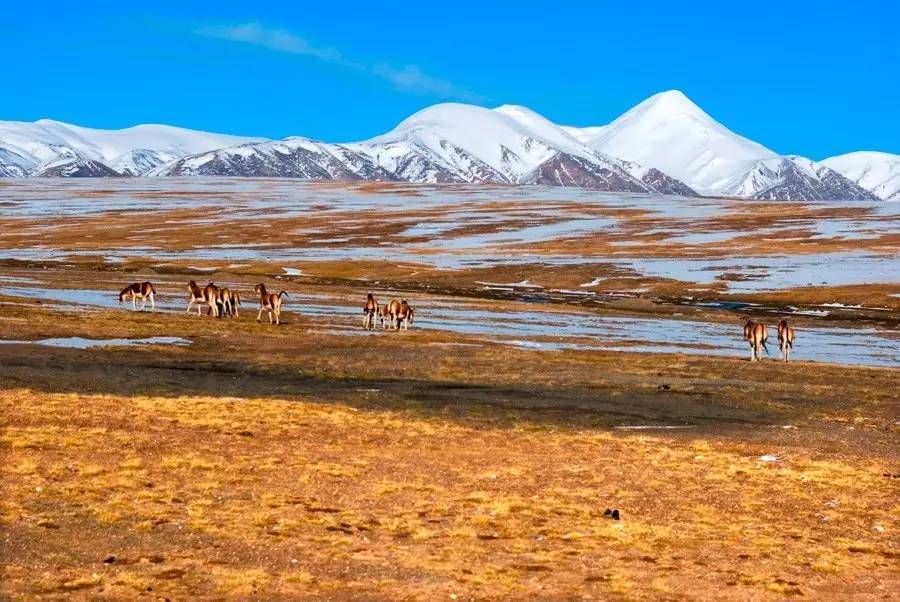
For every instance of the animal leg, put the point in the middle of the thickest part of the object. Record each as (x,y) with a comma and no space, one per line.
(259,315)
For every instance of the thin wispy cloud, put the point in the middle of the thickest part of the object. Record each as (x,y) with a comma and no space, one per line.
(278,40)
(409,78)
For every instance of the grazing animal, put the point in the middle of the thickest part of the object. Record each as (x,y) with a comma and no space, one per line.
(139,290)
(370,310)
(756,334)
(270,303)
(207,295)
(389,314)
(228,302)
(785,339)
(404,315)
(235,303)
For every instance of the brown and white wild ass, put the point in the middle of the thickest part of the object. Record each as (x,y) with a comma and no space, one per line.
(785,339)
(270,303)
(228,301)
(389,313)
(404,315)
(139,290)
(370,310)
(203,296)
(756,334)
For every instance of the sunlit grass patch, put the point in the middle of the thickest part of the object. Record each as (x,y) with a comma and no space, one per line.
(414,502)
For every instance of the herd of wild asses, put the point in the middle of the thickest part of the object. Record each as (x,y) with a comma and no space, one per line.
(396,314)
(223,302)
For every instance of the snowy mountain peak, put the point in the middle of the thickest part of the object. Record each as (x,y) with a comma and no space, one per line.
(795,178)
(36,146)
(668,131)
(670,104)
(875,171)
(511,146)
(665,144)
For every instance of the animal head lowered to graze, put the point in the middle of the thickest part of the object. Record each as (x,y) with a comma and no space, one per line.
(756,333)
(404,314)
(139,290)
(389,313)
(786,338)
(228,301)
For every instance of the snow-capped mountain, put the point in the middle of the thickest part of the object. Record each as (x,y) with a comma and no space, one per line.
(664,145)
(671,133)
(876,172)
(292,157)
(45,147)
(444,143)
(509,144)
(781,178)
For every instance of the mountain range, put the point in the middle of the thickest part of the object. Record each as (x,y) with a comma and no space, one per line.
(664,145)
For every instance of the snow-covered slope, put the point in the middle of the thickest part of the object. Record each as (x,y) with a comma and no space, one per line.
(510,141)
(669,132)
(33,147)
(665,145)
(292,157)
(877,172)
(444,143)
(795,178)
(583,135)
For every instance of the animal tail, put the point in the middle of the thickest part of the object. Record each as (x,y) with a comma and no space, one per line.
(283,294)
(764,347)
(152,290)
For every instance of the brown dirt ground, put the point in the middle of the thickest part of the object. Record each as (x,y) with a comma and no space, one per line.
(288,462)
(291,462)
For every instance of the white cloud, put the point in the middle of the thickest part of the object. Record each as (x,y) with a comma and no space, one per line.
(409,78)
(273,39)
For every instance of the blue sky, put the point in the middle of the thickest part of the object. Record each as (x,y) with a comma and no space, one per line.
(813,78)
